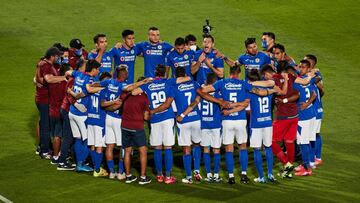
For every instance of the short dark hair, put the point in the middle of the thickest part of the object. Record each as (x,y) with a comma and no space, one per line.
(96,38)
(311,57)
(235,69)
(92,64)
(121,68)
(52,51)
(79,63)
(290,68)
(250,40)
(211,78)
(180,71)
(60,47)
(189,38)
(63,68)
(125,33)
(278,46)
(254,75)
(269,34)
(282,66)
(209,36)
(179,41)
(267,69)
(306,62)
(104,75)
(160,70)
(153,28)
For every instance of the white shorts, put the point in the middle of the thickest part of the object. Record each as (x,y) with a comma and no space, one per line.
(248,108)
(113,130)
(95,136)
(78,126)
(162,133)
(305,131)
(313,129)
(261,136)
(211,137)
(189,133)
(318,125)
(234,129)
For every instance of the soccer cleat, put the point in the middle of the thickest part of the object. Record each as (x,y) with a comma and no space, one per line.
(160,178)
(244,178)
(271,178)
(112,175)
(83,168)
(304,172)
(102,172)
(299,168)
(288,169)
(130,179)
(231,180)
(37,150)
(318,162)
(65,167)
(259,180)
(54,161)
(170,180)
(121,176)
(197,176)
(144,181)
(45,155)
(312,165)
(209,179)
(187,180)
(217,179)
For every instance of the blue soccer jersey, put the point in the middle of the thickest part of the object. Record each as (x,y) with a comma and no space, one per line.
(305,94)
(106,60)
(184,94)
(317,102)
(210,113)
(96,115)
(204,69)
(154,54)
(253,61)
(126,57)
(174,60)
(80,81)
(157,91)
(261,111)
(113,90)
(233,90)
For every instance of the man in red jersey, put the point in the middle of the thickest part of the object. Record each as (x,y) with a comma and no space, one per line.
(76,52)
(286,116)
(45,67)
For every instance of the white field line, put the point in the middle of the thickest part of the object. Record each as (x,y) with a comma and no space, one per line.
(4,199)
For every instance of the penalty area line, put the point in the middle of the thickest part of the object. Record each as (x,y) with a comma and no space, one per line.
(4,199)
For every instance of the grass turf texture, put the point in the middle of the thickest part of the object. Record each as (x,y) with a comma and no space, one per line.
(327,29)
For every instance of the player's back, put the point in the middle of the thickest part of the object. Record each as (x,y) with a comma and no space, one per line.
(112,91)
(305,94)
(210,113)
(80,81)
(261,111)
(96,115)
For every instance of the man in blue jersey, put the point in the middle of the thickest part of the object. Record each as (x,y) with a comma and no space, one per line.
(100,54)
(77,118)
(179,56)
(154,51)
(319,89)
(234,122)
(188,121)
(206,61)
(306,122)
(126,54)
(210,132)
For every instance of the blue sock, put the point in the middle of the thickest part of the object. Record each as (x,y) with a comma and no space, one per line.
(244,159)
(269,159)
(168,156)
(207,162)
(110,164)
(258,162)
(187,164)
(158,161)
(217,159)
(197,157)
(312,151)
(93,156)
(121,166)
(305,154)
(98,160)
(318,146)
(229,160)
(86,151)
(78,150)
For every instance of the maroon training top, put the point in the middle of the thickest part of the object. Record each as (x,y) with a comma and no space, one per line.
(68,99)
(288,110)
(42,93)
(73,58)
(134,108)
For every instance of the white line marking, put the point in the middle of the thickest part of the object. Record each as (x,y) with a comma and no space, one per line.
(2,198)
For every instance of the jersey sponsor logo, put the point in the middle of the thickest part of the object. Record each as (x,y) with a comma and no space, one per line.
(203,64)
(156,86)
(184,87)
(233,86)
(253,66)
(182,63)
(127,58)
(113,88)
(154,52)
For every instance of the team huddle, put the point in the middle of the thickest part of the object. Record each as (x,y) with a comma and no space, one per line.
(90,104)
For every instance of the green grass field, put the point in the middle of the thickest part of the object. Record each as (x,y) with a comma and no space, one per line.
(328,29)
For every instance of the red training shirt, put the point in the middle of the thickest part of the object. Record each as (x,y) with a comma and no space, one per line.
(42,93)
(134,108)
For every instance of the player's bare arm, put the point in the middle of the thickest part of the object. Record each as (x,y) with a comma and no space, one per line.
(306,104)
(263,83)
(218,71)
(196,65)
(54,79)
(92,89)
(204,93)
(227,112)
(163,106)
(131,87)
(75,95)
(189,109)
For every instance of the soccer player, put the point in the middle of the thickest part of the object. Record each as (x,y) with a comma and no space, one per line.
(154,51)
(278,50)
(190,43)
(319,89)
(206,61)
(45,67)
(306,122)
(76,52)
(267,42)
(210,132)
(234,90)
(179,57)
(126,55)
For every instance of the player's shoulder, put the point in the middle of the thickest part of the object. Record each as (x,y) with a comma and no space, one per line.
(263,54)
